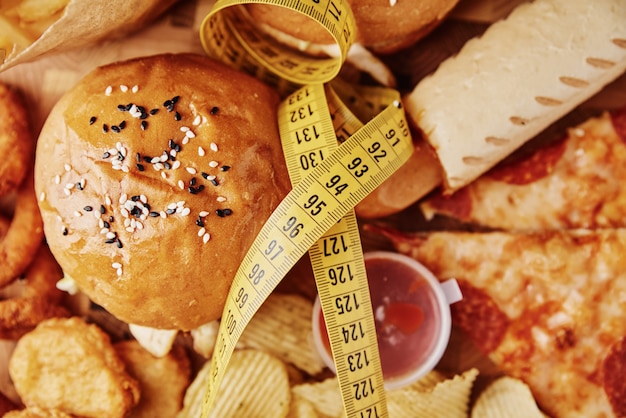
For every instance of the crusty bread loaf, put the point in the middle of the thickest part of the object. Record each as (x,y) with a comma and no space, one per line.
(154,176)
(523,74)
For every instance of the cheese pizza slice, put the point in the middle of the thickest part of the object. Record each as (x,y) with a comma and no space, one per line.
(575,182)
(548,308)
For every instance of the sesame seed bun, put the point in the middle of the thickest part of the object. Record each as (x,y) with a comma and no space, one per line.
(383,26)
(154,176)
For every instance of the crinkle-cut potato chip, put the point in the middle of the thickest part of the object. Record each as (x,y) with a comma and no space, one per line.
(324,396)
(36,412)
(301,408)
(255,385)
(448,398)
(282,326)
(506,397)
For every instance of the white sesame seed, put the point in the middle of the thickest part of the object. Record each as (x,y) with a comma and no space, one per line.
(57,179)
(123,198)
(113,151)
(116,167)
(42,196)
(184,128)
(124,212)
(67,192)
(96,214)
(185,140)
(221,199)
(211,177)
(213,164)
(107,200)
(139,225)
(181,184)
(108,90)
(67,167)
(164,174)
(164,157)
(101,223)
(129,205)
(213,146)
(204,213)
(69,186)
(158,166)
(59,219)
(175,165)
(119,271)
(185,212)
(118,146)
(104,231)
(110,235)
(125,169)
(124,88)
(77,214)
(155,160)
(191,170)
(179,210)
(82,183)
(190,134)
(197,120)
(116,265)
(135,88)
(173,152)
(206,238)
(133,223)
(180,204)
(123,151)
(201,231)
(201,151)
(130,229)
(163,214)
(172,206)
(143,199)
(116,162)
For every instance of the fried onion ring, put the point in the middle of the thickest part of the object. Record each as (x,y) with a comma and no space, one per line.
(31,298)
(16,142)
(24,235)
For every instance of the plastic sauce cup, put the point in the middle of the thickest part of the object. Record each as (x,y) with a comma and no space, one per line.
(412,316)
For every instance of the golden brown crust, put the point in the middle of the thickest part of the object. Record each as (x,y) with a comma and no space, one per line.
(381,26)
(36,412)
(69,365)
(156,269)
(16,142)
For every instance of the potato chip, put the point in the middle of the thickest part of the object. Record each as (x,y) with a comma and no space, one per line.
(448,398)
(282,326)
(506,397)
(324,396)
(301,408)
(255,385)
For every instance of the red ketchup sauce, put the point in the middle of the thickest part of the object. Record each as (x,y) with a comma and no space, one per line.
(407,316)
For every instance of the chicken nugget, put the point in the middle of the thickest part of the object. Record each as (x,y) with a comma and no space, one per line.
(163,380)
(71,366)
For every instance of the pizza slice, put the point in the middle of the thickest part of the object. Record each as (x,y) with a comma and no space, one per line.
(548,308)
(575,182)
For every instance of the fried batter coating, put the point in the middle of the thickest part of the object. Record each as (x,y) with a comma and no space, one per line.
(36,412)
(163,380)
(33,297)
(71,366)
(16,142)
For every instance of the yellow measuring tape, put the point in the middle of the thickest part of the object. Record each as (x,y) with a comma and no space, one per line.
(328,181)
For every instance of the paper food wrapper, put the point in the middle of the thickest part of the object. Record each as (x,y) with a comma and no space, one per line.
(85,22)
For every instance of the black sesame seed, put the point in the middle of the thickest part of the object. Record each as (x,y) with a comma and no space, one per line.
(171,143)
(177,148)
(79,186)
(175,99)
(147,159)
(121,108)
(167,165)
(214,182)
(193,181)
(140,167)
(102,209)
(200,222)
(88,208)
(65,231)
(155,214)
(129,106)
(105,128)
(110,241)
(122,124)
(115,129)
(200,188)
(154,111)
(205,175)
(119,243)
(167,103)
(214,110)
(177,116)
(135,198)
(192,190)
(144,125)
(225,168)
(220,213)
(170,211)
(106,155)
(138,157)
(106,224)
(228,212)
(111,219)
(120,156)
(92,120)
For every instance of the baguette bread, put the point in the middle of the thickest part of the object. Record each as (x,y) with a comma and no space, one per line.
(524,73)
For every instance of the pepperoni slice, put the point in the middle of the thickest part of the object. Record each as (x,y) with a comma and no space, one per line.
(613,371)
(531,168)
(479,317)
(618,117)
